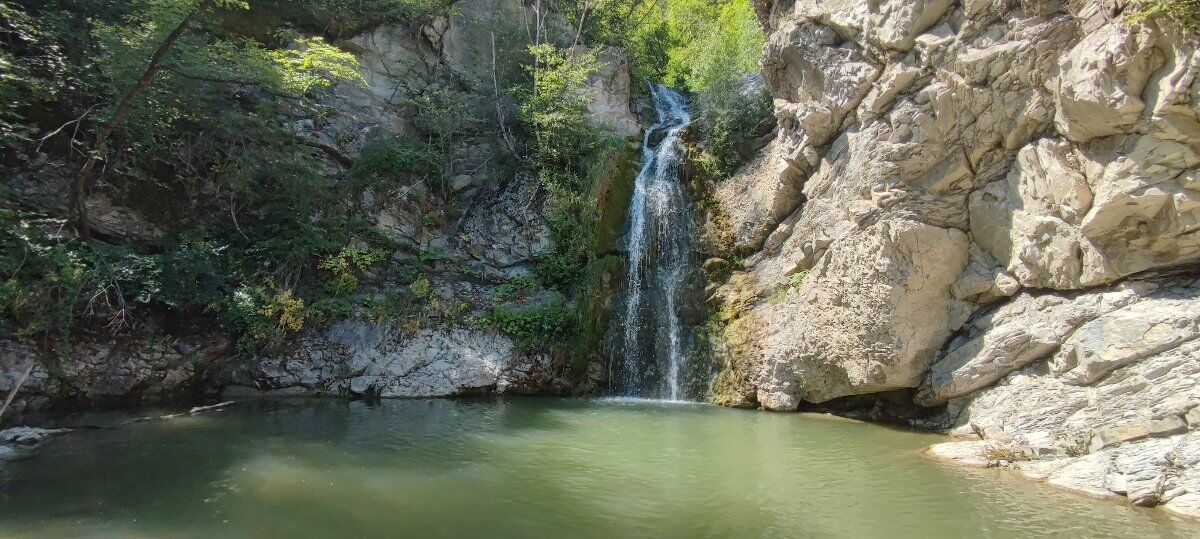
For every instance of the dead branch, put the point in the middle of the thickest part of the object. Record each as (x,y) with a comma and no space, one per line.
(194,411)
(12,393)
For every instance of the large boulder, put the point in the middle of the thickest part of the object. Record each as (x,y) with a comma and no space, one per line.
(864,319)
(1100,81)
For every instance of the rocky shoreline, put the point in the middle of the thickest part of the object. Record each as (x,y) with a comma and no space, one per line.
(979,219)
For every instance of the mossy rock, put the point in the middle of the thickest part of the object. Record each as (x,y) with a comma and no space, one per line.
(612,190)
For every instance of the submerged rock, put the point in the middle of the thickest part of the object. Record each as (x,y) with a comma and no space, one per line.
(27,435)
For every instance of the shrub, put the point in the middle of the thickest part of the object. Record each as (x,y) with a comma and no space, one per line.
(420,289)
(44,277)
(554,109)
(430,255)
(537,328)
(730,115)
(287,309)
(387,162)
(571,223)
(517,288)
(344,268)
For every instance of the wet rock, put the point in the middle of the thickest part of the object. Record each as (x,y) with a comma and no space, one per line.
(27,435)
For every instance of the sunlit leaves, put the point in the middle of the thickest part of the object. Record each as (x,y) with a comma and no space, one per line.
(1185,13)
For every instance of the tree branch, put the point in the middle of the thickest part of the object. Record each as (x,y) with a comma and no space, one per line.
(13,392)
(240,82)
(86,177)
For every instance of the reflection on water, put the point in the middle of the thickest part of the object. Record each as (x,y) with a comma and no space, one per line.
(527,468)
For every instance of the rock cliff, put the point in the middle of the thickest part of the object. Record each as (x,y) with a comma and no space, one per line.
(468,245)
(992,208)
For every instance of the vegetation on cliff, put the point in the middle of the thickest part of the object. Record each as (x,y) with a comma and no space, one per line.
(169,109)
(1185,13)
(161,169)
(706,47)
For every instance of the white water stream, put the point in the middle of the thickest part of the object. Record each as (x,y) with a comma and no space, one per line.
(653,351)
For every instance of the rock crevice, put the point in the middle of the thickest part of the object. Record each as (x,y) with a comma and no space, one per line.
(997,199)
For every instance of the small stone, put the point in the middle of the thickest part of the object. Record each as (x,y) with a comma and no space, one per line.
(1193,417)
(460,182)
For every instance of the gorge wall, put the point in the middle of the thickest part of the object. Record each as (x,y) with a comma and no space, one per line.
(466,252)
(989,209)
(981,217)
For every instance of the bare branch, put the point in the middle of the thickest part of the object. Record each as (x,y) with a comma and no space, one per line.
(64,126)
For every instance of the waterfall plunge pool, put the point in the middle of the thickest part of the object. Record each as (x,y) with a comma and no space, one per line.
(527,467)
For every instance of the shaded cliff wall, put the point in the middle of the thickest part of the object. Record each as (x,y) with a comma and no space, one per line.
(460,249)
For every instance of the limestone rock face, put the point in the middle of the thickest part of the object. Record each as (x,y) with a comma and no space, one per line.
(611,94)
(869,312)
(1097,92)
(357,358)
(125,371)
(994,206)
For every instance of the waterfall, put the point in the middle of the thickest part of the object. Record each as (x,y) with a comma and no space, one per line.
(652,352)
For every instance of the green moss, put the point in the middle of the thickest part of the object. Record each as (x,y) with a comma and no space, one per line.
(612,191)
(781,292)
(593,308)
(729,338)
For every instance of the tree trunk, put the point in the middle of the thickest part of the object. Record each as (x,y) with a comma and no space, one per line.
(87,175)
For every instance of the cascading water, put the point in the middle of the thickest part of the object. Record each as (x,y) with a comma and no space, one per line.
(652,351)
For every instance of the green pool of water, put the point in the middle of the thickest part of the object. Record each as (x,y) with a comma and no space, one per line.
(527,468)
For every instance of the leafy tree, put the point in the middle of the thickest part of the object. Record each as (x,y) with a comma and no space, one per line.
(157,37)
(715,43)
(702,46)
(443,113)
(639,27)
(32,73)
(555,111)
(186,116)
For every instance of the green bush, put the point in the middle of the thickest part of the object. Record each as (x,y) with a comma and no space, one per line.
(730,116)
(45,277)
(517,288)
(537,328)
(345,267)
(393,162)
(420,289)
(571,224)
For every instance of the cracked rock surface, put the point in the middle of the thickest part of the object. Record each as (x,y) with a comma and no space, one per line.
(993,207)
